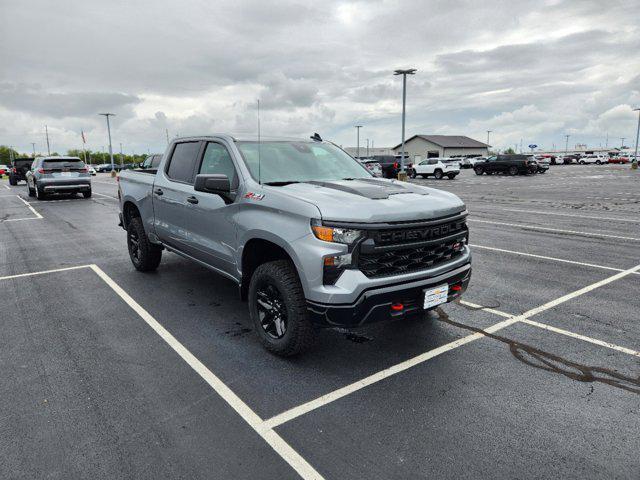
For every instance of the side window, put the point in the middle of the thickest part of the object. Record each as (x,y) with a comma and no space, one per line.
(155,162)
(217,160)
(183,161)
(433,162)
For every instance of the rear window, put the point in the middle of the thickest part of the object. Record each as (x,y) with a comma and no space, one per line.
(62,164)
(19,162)
(182,162)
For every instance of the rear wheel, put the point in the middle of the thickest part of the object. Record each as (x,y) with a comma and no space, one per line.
(479,170)
(438,174)
(582,162)
(598,162)
(278,309)
(87,194)
(12,181)
(40,195)
(451,176)
(144,255)
(413,173)
(32,193)
(513,170)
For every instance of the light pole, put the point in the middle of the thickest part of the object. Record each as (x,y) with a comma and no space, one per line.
(635,157)
(622,139)
(358,127)
(33,144)
(566,145)
(46,132)
(488,132)
(404,73)
(121,155)
(367,148)
(107,115)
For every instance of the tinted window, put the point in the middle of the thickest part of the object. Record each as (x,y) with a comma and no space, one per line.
(62,163)
(217,160)
(155,161)
(183,161)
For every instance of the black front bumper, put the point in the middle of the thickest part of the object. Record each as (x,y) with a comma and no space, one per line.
(375,305)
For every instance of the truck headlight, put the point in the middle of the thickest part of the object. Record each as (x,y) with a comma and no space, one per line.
(335,234)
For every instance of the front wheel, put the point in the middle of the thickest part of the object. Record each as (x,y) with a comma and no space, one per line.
(278,309)
(598,162)
(513,170)
(87,194)
(144,255)
(479,170)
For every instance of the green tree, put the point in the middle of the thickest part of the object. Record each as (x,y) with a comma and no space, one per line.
(510,151)
(6,153)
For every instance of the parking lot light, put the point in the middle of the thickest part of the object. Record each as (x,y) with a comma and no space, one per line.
(107,115)
(404,73)
(635,156)
(358,127)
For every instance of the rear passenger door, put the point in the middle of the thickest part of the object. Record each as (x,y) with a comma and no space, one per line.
(172,188)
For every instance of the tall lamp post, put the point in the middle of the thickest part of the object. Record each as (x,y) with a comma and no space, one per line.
(635,156)
(566,145)
(404,73)
(107,115)
(488,132)
(358,127)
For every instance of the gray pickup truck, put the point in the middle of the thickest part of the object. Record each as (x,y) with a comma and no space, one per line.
(310,236)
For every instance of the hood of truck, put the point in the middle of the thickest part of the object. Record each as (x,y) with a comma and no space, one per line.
(375,200)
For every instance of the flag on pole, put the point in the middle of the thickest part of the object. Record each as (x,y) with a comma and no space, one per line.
(84,140)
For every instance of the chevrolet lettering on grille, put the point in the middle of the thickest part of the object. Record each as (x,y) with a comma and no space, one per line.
(416,235)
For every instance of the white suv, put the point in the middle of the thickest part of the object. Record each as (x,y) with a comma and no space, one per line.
(438,167)
(597,159)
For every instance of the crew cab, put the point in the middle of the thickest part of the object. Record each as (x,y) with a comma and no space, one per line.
(438,167)
(310,237)
(510,163)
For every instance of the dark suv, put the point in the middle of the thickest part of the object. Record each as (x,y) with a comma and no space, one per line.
(18,170)
(511,164)
(391,165)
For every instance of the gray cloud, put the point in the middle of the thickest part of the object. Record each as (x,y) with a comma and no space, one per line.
(524,69)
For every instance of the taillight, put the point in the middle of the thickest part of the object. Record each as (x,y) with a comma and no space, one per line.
(41,170)
(395,165)
(84,170)
(15,170)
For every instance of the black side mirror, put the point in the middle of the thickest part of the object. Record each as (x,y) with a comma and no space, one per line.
(212,183)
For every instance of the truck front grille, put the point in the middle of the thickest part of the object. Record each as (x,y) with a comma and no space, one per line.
(397,251)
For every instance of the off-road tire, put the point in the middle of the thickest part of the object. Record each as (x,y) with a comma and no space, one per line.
(299,333)
(149,255)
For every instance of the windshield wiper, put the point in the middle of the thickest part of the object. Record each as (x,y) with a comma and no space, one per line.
(280,183)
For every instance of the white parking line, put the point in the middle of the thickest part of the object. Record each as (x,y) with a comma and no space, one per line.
(103,195)
(571,215)
(360,384)
(37,215)
(548,229)
(293,458)
(7,187)
(29,206)
(554,259)
(43,272)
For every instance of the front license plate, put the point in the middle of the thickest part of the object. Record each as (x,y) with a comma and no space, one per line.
(436,296)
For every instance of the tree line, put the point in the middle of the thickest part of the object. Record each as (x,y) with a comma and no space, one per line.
(92,157)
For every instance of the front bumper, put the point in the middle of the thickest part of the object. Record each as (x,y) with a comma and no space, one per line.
(374,304)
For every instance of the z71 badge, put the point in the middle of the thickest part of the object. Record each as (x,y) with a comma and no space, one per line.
(254,196)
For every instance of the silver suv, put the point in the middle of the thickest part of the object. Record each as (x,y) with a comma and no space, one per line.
(50,175)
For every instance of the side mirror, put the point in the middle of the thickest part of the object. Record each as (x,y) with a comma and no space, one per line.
(212,183)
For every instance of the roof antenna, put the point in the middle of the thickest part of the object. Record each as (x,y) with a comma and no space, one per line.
(316,137)
(259,142)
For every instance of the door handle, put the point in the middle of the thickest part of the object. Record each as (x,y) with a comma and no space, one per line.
(158,191)
(192,199)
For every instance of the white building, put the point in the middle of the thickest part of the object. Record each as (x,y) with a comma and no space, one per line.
(420,147)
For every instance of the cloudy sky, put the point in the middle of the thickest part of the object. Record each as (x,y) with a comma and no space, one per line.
(530,70)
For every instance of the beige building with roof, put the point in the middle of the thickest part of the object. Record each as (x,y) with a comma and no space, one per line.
(420,147)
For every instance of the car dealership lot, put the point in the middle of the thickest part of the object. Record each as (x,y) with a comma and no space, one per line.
(111,372)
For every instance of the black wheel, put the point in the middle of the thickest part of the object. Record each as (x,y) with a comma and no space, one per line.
(581,162)
(513,170)
(438,174)
(451,176)
(413,174)
(144,255)
(87,194)
(278,309)
(598,162)
(12,181)
(30,190)
(40,195)
(479,170)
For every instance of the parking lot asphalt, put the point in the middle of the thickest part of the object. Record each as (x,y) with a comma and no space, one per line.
(108,372)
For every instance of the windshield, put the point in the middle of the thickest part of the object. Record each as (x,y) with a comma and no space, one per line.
(284,162)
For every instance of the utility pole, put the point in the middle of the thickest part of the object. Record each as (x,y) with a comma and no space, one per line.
(367,148)
(606,143)
(404,73)
(358,127)
(488,132)
(121,155)
(33,144)
(622,139)
(566,145)
(166,130)
(46,132)
(635,157)
(107,115)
